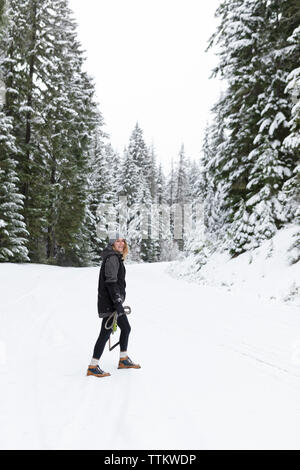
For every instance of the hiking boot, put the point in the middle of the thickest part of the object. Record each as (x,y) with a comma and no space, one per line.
(96,371)
(126,363)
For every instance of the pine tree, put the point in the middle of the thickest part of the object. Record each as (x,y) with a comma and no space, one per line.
(137,184)
(51,102)
(129,191)
(238,36)
(100,193)
(194,178)
(253,165)
(115,163)
(207,232)
(181,196)
(143,213)
(182,188)
(20,41)
(291,189)
(154,212)
(213,191)
(272,162)
(73,117)
(292,141)
(137,148)
(153,172)
(13,233)
(163,217)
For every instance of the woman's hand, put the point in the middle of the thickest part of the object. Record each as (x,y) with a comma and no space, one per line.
(119,308)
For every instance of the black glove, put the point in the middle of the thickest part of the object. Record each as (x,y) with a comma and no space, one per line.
(119,308)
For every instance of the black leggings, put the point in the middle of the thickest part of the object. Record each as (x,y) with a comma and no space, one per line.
(123,324)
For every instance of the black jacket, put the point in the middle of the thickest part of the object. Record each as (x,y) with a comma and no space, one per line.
(112,285)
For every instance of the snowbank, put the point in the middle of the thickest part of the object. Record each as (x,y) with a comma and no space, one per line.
(265,272)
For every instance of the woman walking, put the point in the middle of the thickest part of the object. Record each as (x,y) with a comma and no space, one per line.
(111,295)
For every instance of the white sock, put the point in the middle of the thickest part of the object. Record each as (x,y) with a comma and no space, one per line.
(123,354)
(94,362)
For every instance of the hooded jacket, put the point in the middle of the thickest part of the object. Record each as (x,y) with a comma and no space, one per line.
(112,285)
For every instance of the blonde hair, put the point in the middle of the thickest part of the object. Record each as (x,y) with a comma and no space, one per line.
(125,250)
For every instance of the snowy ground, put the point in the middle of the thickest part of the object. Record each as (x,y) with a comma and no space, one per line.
(266,272)
(220,370)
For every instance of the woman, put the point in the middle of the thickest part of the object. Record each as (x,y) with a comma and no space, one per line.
(111,295)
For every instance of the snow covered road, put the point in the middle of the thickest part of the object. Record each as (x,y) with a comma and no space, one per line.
(219,370)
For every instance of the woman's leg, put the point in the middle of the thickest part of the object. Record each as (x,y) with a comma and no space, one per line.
(123,324)
(102,340)
(125,362)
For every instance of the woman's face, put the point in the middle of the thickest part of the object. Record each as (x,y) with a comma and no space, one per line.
(119,245)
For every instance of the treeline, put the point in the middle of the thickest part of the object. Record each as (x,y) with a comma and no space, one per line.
(250,180)
(151,198)
(56,162)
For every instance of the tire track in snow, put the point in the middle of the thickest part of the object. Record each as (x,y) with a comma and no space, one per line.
(265,357)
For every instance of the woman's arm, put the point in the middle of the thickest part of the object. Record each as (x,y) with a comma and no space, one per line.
(111,281)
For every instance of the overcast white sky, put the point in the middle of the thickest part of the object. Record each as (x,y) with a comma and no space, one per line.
(149,63)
